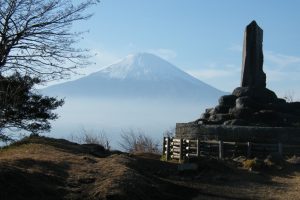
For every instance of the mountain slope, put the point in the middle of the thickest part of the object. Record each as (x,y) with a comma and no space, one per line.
(141,75)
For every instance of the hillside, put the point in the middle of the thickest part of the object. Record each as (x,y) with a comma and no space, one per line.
(45,168)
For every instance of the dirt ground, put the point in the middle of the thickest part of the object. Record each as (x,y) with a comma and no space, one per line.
(45,168)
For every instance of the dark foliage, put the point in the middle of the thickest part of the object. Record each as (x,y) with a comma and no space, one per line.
(22,108)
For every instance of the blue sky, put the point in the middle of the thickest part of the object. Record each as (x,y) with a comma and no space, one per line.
(202,37)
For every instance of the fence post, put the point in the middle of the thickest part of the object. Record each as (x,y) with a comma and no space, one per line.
(249,146)
(221,149)
(181,149)
(164,146)
(198,147)
(168,148)
(280,148)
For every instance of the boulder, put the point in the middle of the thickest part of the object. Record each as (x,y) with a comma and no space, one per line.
(241,113)
(242,91)
(227,100)
(245,102)
(220,118)
(212,111)
(202,122)
(221,109)
(262,95)
(205,116)
(208,110)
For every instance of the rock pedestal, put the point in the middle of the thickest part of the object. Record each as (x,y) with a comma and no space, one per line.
(252,107)
(251,104)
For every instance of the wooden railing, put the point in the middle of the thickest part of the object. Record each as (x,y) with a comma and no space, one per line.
(183,149)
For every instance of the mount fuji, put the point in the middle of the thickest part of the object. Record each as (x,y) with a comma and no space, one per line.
(140,92)
(141,75)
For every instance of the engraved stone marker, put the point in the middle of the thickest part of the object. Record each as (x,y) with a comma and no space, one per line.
(252,66)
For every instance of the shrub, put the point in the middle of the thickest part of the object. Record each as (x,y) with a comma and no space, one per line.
(134,142)
(253,164)
(91,137)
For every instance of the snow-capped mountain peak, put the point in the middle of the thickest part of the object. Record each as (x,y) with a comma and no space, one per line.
(141,75)
(139,66)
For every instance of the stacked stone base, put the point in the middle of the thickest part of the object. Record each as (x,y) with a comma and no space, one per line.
(285,135)
(250,106)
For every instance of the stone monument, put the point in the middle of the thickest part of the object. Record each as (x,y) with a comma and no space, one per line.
(252,65)
(252,111)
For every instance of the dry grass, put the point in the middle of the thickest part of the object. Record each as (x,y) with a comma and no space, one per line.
(45,168)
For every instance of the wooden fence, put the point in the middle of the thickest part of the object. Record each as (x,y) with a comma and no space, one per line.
(183,149)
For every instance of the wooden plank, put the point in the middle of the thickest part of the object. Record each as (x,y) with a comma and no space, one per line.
(221,150)
(191,148)
(176,140)
(175,157)
(198,148)
(190,141)
(177,150)
(175,154)
(191,155)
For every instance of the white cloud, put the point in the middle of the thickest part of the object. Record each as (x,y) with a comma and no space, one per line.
(275,75)
(281,60)
(167,54)
(281,68)
(278,59)
(278,66)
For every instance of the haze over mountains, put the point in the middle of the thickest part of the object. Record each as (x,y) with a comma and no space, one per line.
(142,91)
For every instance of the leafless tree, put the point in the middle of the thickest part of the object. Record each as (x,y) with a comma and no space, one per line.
(85,136)
(169,132)
(36,37)
(137,141)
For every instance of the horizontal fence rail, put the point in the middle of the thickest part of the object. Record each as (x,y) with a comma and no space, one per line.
(183,149)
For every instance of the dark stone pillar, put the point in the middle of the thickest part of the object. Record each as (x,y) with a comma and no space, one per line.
(252,67)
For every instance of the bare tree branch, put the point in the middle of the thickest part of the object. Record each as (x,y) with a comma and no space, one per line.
(36,37)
